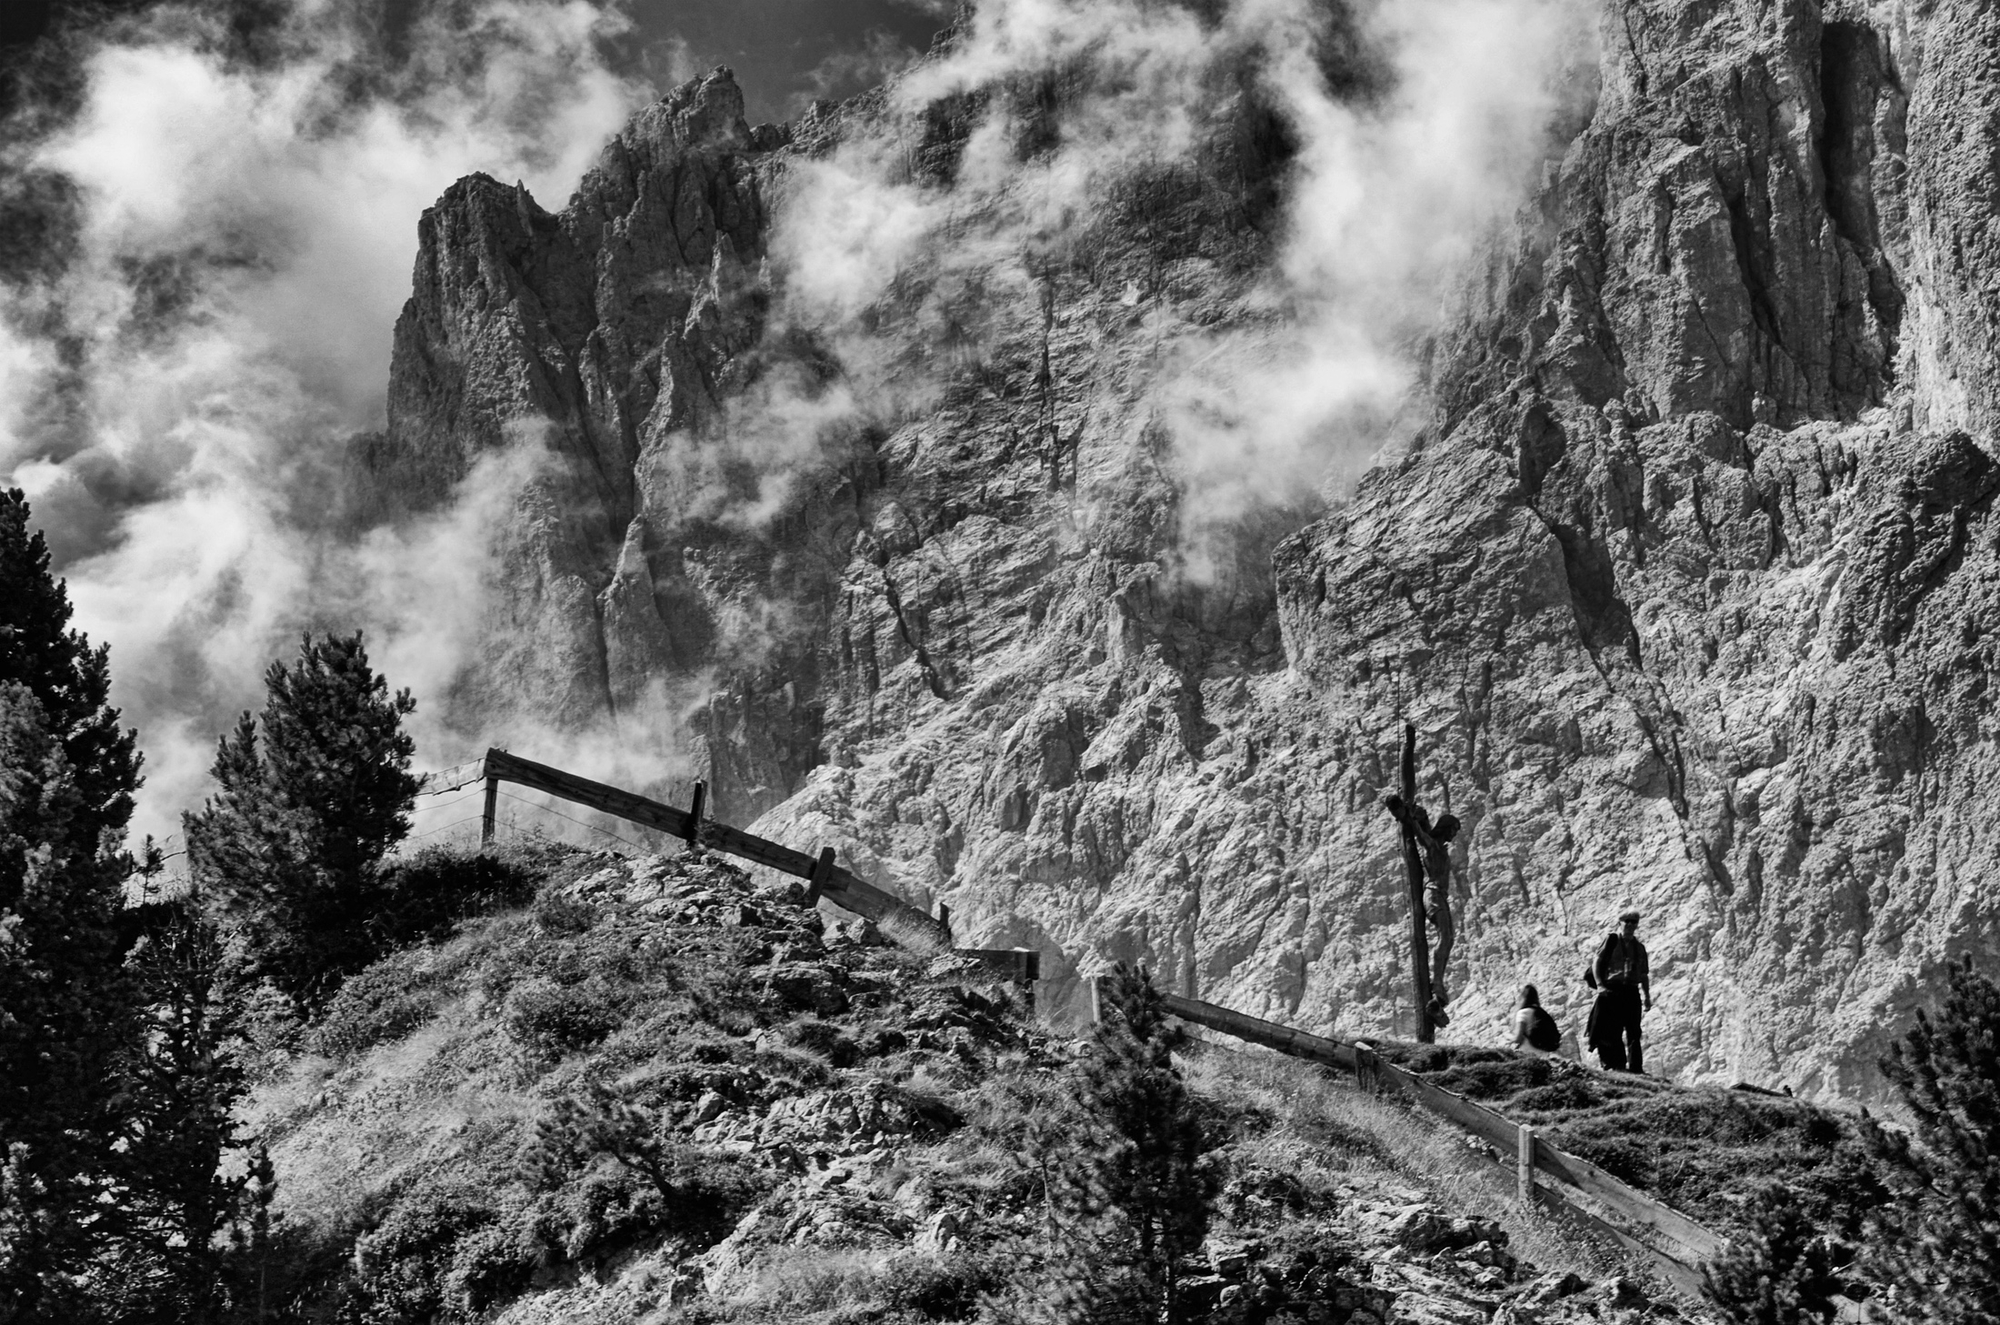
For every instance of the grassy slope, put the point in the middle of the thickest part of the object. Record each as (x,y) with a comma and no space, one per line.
(1701,1149)
(408,1126)
(839,1130)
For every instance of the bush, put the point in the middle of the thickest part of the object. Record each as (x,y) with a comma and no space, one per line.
(693,1194)
(1785,1270)
(555,1019)
(423,898)
(599,1214)
(384,1003)
(557,914)
(403,1263)
(489,1266)
(936,1287)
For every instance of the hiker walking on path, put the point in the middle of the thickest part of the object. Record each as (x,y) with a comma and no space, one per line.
(1534,1028)
(1624,979)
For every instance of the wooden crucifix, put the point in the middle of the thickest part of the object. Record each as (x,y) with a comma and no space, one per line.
(1427,862)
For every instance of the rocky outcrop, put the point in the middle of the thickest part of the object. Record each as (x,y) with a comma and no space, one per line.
(1706,419)
(605,333)
(1685,584)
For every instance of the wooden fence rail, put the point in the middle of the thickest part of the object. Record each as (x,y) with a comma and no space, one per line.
(897,919)
(1568,1186)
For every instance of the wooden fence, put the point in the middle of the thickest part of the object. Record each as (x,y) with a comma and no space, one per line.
(897,919)
(1552,1179)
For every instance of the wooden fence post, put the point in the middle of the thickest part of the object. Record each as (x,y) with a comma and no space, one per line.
(1524,1171)
(694,814)
(492,805)
(822,870)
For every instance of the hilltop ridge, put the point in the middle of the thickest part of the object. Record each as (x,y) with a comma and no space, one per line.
(838,1127)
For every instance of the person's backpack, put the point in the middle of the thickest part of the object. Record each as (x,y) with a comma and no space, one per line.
(1543,1033)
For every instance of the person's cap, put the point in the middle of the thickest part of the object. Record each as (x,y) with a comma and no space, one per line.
(1632,916)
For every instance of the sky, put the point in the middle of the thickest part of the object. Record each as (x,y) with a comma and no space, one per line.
(786,52)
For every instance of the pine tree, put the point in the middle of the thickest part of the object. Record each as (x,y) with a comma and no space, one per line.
(311,796)
(1131,1191)
(65,1017)
(67,775)
(69,679)
(1943,1247)
(181,1192)
(1787,1270)
(255,1238)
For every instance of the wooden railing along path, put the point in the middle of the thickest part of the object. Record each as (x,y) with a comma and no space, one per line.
(897,919)
(1677,1245)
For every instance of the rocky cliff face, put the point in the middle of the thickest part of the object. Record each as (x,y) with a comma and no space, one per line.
(1686,584)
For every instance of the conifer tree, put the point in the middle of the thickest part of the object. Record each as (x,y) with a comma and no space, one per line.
(311,796)
(67,774)
(1787,1270)
(1943,1247)
(182,1193)
(69,679)
(1134,1192)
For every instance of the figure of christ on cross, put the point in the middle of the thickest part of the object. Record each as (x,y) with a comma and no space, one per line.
(1427,854)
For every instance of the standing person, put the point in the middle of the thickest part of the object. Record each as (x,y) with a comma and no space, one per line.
(1534,1028)
(1625,978)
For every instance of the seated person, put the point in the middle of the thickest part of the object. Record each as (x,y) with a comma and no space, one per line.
(1534,1028)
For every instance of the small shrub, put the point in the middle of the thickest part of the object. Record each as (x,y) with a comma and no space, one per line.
(600,1214)
(936,1287)
(555,1019)
(825,1039)
(383,1003)
(557,914)
(403,1263)
(489,1266)
(693,1193)
(424,897)
(1784,1270)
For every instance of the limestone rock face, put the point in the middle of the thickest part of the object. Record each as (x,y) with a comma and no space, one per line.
(600,332)
(1689,585)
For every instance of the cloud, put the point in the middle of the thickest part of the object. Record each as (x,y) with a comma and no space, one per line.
(879,56)
(1386,197)
(245,238)
(1388,201)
